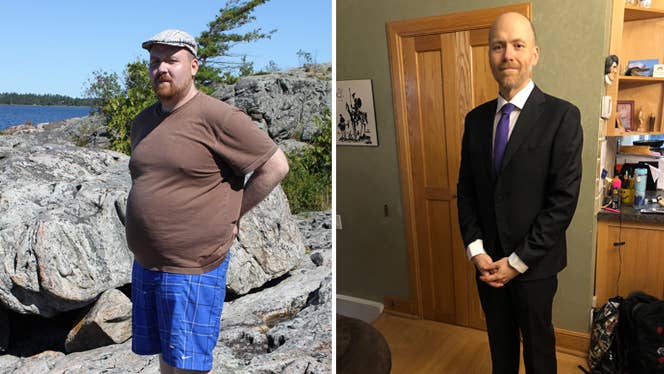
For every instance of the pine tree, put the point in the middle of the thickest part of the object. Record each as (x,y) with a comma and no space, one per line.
(216,62)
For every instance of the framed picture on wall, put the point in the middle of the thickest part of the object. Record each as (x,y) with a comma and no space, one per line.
(356,120)
(625,110)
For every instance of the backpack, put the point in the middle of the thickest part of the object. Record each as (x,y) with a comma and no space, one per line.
(642,326)
(604,354)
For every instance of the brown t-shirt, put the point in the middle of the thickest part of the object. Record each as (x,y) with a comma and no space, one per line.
(187,169)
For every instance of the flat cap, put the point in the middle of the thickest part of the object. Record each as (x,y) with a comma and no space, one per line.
(173,37)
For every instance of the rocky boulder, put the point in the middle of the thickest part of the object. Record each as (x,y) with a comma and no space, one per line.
(61,240)
(108,322)
(269,245)
(283,103)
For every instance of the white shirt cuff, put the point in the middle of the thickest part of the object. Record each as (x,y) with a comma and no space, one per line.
(516,263)
(475,248)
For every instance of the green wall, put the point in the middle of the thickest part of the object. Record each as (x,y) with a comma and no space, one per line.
(372,258)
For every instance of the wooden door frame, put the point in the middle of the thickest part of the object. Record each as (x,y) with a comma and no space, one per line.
(396,32)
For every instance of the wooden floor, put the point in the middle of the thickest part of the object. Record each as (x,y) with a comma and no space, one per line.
(421,346)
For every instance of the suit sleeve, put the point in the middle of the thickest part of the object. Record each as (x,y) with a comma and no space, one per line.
(468,215)
(562,193)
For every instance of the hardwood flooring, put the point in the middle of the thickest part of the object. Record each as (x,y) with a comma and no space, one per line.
(421,346)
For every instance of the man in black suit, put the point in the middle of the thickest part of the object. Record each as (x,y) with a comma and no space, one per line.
(517,193)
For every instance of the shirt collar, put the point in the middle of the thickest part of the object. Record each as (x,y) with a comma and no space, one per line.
(519,100)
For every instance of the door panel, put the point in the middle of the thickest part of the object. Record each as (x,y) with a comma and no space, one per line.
(485,87)
(431,177)
(440,93)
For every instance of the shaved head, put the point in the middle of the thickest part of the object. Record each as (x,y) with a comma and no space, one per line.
(511,17)
(512,52)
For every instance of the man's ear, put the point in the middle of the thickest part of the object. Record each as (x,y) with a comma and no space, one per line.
(194,66)
(536,51)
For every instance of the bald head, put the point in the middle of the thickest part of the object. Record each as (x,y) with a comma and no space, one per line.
(512,17)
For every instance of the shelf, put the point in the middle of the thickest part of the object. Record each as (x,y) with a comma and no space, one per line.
(626,80)
(633,133)
(637,13)
(635,78)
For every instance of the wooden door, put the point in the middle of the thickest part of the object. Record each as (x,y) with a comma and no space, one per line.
(440,71)
(430,66)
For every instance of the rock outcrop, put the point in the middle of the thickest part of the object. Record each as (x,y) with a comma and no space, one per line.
(283,103)
(61,239)
(269,245)
(282,329)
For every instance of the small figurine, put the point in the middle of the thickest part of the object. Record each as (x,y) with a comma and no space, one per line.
(641,121)
(610,69)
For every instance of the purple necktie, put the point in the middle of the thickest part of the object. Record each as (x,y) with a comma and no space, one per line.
(502,132)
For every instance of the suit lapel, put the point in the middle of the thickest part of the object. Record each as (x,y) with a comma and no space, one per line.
(525,124)
(487,140)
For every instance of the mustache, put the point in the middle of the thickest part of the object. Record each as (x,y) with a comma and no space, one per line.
(164,77)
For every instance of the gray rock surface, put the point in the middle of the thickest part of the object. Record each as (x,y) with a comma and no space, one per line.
(282,329)
(284,103)
(38,364)
(61,241)
(108,322)
(290,146)
(83,131)
(269,245)
(316,229)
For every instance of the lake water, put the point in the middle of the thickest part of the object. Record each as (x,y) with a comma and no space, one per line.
(11,115)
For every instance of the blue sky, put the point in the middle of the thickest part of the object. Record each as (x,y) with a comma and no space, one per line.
(53,47)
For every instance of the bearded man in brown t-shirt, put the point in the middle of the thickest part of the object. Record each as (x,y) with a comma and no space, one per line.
(190,155)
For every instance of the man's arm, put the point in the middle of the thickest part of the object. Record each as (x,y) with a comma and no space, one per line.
(467,204)
(562,193)
(264,179)
(467,209)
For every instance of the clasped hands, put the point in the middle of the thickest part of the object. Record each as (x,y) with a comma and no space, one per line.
(495,274)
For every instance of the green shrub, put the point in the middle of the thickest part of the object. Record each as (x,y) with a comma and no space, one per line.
(118,103)
(308,185)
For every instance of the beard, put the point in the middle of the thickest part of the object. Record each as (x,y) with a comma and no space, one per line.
(167,89)
(513,79)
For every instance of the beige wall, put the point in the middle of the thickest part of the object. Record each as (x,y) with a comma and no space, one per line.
(372,259)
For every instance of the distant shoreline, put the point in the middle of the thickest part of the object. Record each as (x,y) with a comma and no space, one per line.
(14,98)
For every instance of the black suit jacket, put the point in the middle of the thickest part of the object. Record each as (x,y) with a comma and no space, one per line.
(528,205)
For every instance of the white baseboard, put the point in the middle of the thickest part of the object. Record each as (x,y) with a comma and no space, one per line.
(353,307)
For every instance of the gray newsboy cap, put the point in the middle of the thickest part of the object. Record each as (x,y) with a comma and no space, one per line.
(176,38)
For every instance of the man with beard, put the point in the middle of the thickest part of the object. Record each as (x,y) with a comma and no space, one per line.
(190,155)
(517,192)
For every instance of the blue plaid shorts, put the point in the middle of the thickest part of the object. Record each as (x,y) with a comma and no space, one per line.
(178,315)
